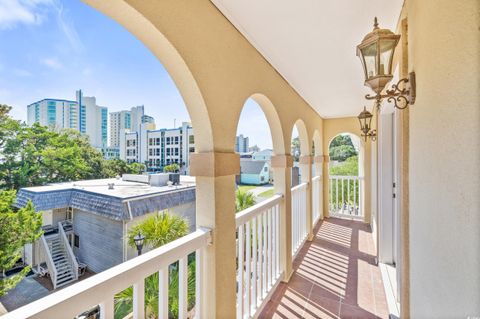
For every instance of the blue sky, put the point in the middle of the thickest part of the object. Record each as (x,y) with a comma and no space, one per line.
(50,48)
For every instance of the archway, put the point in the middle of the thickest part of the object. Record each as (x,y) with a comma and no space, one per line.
(259,137)
(345,170)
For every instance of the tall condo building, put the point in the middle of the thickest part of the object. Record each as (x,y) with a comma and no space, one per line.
(128,120)
(158,148)
(83,115)
(241,144)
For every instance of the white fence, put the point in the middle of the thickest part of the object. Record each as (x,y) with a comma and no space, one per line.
(258,255)
(345,195)
(316,199)
(299,217)
(101,288)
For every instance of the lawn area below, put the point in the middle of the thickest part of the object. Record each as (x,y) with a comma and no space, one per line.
(267,194)
(246,187)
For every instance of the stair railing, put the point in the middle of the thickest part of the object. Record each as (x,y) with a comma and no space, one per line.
(52,270)
(71,257)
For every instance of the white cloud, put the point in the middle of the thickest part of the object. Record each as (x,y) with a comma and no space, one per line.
(68,28)
(29,12)
(52,63)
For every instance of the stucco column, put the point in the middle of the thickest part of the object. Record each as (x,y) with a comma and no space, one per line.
(305,164)
(326,176)
(318,163)
(215,208)
(282,172)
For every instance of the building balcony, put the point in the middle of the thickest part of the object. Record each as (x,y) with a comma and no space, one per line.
(331,271)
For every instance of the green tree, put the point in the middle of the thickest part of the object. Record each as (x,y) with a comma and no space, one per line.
(243,200)
(295,149)
(17,228)
(118,167)
(172,168)
(341,148)
(347,168)
(159,230)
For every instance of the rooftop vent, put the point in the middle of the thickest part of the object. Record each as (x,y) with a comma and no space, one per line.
(111,185)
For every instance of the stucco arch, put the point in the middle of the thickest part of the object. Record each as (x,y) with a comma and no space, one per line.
(303,136)
(166,53)
(273,120)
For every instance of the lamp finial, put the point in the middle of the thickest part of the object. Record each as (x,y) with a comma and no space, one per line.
(375,23)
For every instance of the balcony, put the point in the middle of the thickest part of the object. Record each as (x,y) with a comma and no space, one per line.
(270,260)
(332,275)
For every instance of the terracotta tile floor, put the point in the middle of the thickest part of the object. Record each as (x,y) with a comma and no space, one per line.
(335,276)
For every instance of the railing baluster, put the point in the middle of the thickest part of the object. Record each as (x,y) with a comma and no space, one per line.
(247,270)
(240,282)
(269,236)
(183,287)
(139,299)
(260,258)
(163,292)
(198,284)
(107,309)
(265,260)
(255,264)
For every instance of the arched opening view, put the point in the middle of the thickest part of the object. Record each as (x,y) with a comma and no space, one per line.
(253,142)
(345,180)
(107,173)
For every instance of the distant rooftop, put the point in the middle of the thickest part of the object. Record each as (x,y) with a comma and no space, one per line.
(96,197)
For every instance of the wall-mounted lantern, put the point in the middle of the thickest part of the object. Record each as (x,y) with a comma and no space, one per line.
(376,53)
(365,119)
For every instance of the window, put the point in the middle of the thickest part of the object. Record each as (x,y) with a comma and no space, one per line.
(191,139)
(176,151)
(176,139)
(157,141)
(76,241)
(192,149)
(150,141)
(262,179)
(150,152)
(168,140)
(265,169)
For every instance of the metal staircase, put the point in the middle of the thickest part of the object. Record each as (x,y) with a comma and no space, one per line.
(65,269)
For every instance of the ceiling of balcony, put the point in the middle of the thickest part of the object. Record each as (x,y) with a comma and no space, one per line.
(312,44)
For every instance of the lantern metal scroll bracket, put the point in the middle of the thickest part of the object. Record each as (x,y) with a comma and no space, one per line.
(402,94)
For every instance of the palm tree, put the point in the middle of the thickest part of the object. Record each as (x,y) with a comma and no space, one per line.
(243,200)
(158,230)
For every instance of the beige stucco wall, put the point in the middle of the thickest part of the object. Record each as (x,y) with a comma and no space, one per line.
(444,192)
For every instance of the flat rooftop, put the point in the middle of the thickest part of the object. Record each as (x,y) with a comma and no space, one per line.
(121,189)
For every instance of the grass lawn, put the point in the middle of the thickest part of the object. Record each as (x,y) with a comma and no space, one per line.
(246,187)
(267,194)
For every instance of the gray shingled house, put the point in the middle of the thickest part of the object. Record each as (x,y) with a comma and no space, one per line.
(86,222)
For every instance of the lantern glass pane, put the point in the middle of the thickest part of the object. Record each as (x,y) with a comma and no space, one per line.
(370,57)
(386,53)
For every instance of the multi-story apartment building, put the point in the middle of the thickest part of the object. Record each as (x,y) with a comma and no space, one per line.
(241,144)
(128,120)
(83,115)
(158,148)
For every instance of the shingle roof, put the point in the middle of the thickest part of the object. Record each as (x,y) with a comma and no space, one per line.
(112,207)
(251,167)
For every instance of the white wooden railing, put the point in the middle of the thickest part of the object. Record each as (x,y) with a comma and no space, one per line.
(101,288)
(316,199)
(52,270)
(345,195)
(71,257)
(258,255)
(299,217)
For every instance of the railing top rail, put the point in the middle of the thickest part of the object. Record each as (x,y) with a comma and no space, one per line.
(299,186)
(316,178)
(345,177)
(79,297)
(49,260)
(251,212)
